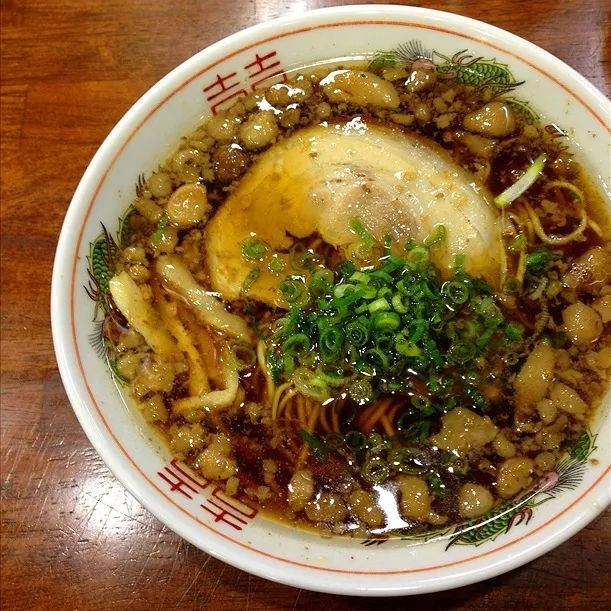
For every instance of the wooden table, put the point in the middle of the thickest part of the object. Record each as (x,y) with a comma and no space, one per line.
(72,537)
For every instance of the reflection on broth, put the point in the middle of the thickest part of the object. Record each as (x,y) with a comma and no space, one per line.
(370,302)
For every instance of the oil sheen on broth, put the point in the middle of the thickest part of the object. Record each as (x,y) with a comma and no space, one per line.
(334,302)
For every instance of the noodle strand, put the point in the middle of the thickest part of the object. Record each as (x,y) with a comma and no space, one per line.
(556,240)
(262,361)
(276,399)
(305,448)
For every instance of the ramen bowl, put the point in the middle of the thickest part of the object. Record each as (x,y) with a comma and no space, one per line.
(518,531)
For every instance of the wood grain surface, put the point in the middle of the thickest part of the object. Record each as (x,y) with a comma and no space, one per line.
(72,537)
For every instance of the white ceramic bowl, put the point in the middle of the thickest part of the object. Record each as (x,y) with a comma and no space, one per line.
(556,509)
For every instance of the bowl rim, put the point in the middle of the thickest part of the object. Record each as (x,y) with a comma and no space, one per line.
(112,147)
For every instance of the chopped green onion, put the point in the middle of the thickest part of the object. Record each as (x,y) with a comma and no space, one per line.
(345,269)
(417,431)
(276,264)
(361,390)
(456,464)
(400,303)
(518,243)
(387,243)
(309,259)
(482,305)
(361,309)
(282,327)
(472,329)
(318,288)
(357,333)
(472,377)
(375,470)
(379,305)
(253,249)
(368,292)
(478,399)
(336,378)
(522,184)
(365,369)
(341,289)
(359,229)
(242,356)
(160,227)
(385,340)
(437,236)
(309,384)
(538,260)
(355,440)
(514,330)
(511,286)
(317,447)
(323,274)
(334,440)
(296,344)
(308,359)
(384,292)
(406,347)
(560,339)
(404,288)
(420,402)
(349,298)
(376,358)
(386,321)
(437,484)
(289,364)
(297,249)
(408,460)
(377,443)
(429,290)
(485,337)
(331,342)
(418,329)
(292,289)
(458,292)
(274,366)
(397,262)
(461,351)
(381,274)
(251,277)
(360,277)
(351,354)
(417,255)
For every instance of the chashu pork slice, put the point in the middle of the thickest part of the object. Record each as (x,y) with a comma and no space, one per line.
(319,178)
